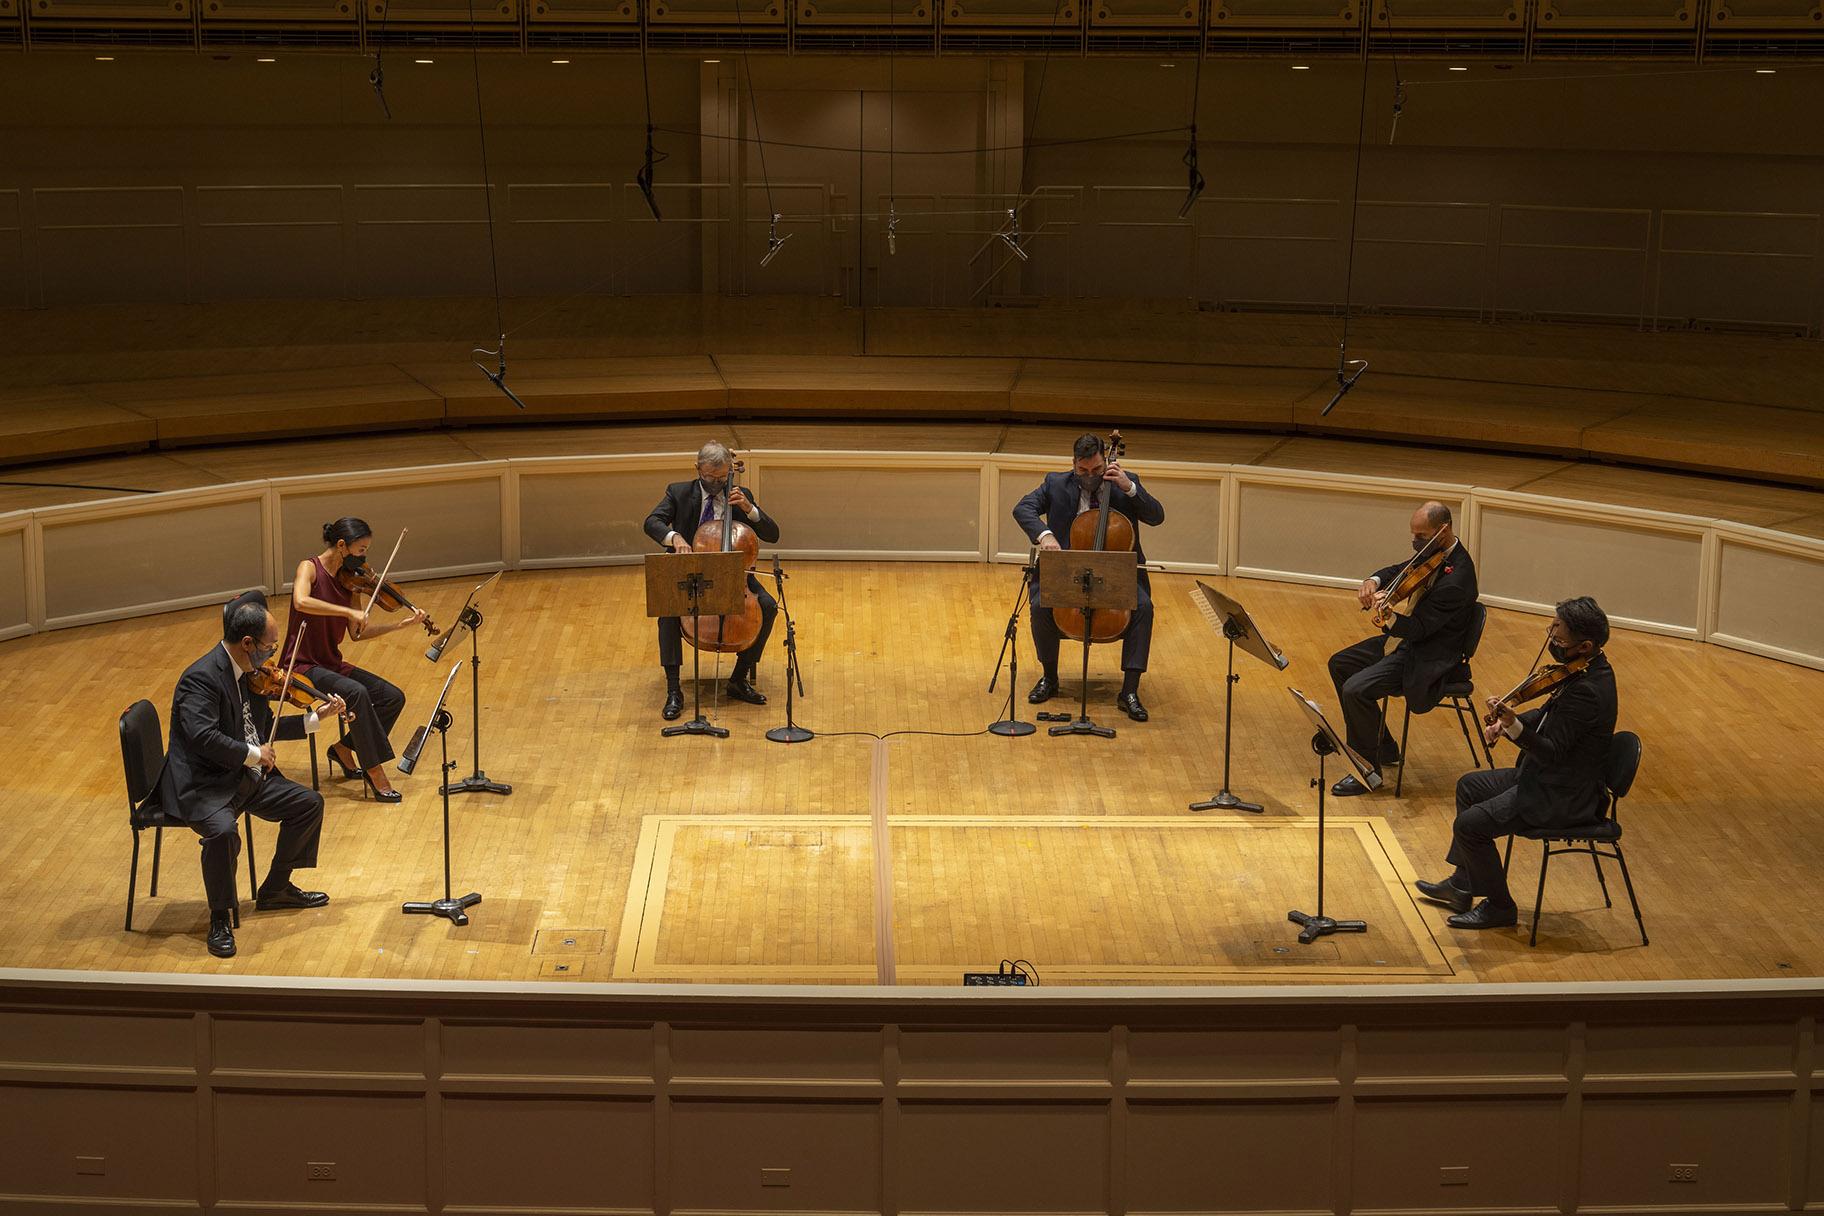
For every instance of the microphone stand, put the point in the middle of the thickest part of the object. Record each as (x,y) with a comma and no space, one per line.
(452,909)
(1011,726)
(791,732)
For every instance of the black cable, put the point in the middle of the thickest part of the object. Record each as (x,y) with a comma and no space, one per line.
(754,105)
(72,485)
(1194,182)
(643,178)
(487,189)
(1355,197)
(377,77)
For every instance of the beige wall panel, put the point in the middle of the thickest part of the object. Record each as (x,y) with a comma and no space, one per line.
(104,565)
(134,1130)
(1011,486)
(139,1041)
(298,1045)
(884,511)
(1631,1050)
(831,1148)
(1320,531)
(1740,1145)
(783,1054)
(547,1154)
(1192,531)
(588,515)
(13,608)
(940,1055)
(574,1052)
(1230,1156)
(1634,573)
(1461,1051)
(1196,1055)
(1009,1157)
(1400,1145)
(454,523)
(1771,597)
(369,1137)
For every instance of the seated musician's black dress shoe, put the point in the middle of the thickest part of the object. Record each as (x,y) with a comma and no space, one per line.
(1348,787)
(674,705)
(1043,691)
(1485,916)
(288,896)
(221,936)
(741,690)
(1447,893)
(1129,704)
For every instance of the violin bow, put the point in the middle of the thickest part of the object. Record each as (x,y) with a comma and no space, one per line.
(381,581)
(285,687)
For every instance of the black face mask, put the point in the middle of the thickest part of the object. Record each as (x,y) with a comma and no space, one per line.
(1560,653)
(1419,542)
(1091,482)
(353,561)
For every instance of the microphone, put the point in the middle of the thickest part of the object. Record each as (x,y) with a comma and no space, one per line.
(643,178)
(377,78)
(413,750)
(1344,382)
(1194,179)
(499,376)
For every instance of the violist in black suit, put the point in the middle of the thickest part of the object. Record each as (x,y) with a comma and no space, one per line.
(1432,634)
(1558,782)
(1046,514)
(687,506)
(219,764)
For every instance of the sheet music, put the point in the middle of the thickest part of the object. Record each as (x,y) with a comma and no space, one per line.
(1214,606)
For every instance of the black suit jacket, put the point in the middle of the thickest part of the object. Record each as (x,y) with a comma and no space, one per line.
(1437,630)
(1054,505)
(207,754)
(682,507)
(1564,748)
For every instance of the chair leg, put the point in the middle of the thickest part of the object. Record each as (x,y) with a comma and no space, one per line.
(1545,859)
(253,877)
(1601,881)
(1507,856)
(132,880)
(158,840)
(313,761)
(1405,725)
(234,914)
(1464,711)
(1633,901)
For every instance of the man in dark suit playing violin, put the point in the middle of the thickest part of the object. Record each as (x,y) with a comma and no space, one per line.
(673,524)
(1432,635)
(219,764)
(1558,782)
(1046,515)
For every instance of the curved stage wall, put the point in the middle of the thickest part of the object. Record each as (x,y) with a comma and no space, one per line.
(1688,576)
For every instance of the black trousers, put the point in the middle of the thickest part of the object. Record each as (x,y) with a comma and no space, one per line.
(1136,641)
(1363,674)
(377,704)
(1487,810)
(297,809)
(671,634)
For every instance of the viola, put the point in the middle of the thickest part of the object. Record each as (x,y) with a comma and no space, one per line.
(1540,682)
(269,680)
(726,634)
(1099,528)
(1415,575)
(361,580)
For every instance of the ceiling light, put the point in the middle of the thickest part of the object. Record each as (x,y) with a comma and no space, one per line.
(560,61)
(1168,65)
(265,61)
(424,61)
(104,59)
(1301,67)
(1459,69)
(1763,71)
(712,61)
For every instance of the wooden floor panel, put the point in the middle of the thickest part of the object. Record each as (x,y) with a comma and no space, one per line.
(1723,826)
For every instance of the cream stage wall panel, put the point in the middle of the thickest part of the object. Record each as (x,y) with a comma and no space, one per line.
(15,577)
(1327,530)
(918,506)
(1769,589)
(129,556)
(456,515)
(587,515)
(1191,537)
(1645,573)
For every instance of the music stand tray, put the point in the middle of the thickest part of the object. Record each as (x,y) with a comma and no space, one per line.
(696,585)
(1326,742)
(1089,580)
(1232,621)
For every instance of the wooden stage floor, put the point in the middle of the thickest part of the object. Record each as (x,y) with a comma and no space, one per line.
(624,856)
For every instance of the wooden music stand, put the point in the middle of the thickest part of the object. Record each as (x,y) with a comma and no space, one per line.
(1089,580)
(696,585)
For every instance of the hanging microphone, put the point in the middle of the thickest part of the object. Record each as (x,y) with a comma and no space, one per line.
(1345,379)
(1194,180)
(499,376)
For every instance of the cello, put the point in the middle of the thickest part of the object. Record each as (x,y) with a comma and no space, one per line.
(726,634)
(1099,528)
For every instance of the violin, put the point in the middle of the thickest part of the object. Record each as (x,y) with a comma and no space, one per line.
(361,580)
(267,682)
(726,634)
(1539,682)
(1415,575)
(1103,529)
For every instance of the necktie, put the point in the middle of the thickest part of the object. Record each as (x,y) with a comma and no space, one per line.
(252,735)
(709,508)
(1095,497)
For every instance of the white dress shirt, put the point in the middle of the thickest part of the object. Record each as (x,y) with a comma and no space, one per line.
(240,671)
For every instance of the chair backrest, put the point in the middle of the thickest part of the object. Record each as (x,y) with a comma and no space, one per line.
(1623,763)
(142,751)
(1478,621)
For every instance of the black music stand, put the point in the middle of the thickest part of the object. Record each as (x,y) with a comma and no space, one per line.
(469,618)
(696,585)
(452,909)
(1232,621)
(1327,742)
(791,732)
(1011,727)
(1088,580)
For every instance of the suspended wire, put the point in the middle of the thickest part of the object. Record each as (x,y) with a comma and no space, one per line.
(1399,86)
(1194,182)
(753,105)
(487,187)
(653,158)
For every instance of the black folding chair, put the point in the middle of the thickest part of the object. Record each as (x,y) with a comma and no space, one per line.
(1459,698)
(1618,777)
(142,755)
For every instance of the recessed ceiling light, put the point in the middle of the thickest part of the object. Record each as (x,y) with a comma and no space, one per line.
(560,61)
(1459,69)
(1763,71)
(1168,65)
(1301,67)
(265,61)
(712,61)
(104,59)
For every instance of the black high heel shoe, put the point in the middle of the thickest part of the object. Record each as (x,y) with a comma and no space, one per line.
(348,771)
(391,797)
